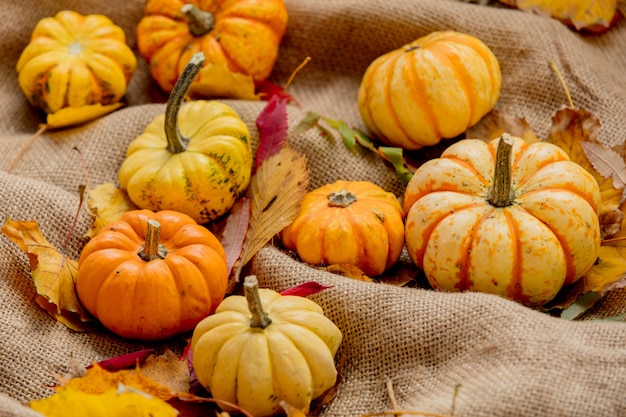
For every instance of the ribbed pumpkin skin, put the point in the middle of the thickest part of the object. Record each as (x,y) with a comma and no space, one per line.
(156,299)
(368,233)
(549,235)
(290,360)
(205,180)
(433,88)
(246,37)
(73,61)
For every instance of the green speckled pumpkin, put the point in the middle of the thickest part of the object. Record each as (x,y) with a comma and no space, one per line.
(195,158)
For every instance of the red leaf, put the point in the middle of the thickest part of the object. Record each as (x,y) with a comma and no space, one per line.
(268,90)
(235,231)
(124,361)
(307,288)
(272,124)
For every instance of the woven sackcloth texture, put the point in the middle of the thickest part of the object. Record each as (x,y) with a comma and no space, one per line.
(507,359)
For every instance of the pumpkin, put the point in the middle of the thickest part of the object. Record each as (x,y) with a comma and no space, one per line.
(432,88)
(348,222)
(150,276)
(243,35)
(74,61)
(264,348)
(509,218)
(195,158)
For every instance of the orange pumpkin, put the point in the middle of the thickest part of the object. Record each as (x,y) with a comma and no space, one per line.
(150,276)
(505,218)
(433,88)
(348,222)
(244,35)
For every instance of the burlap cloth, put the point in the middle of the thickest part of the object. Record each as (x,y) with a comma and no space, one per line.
(508,360)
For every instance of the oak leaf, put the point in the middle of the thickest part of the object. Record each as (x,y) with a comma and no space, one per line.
(495,123)
(53,273)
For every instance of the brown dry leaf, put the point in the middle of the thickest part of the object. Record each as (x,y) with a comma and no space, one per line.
(276,191)
(591,15)
(572,130)
(53,273)
(494,124)
(169,370)
(107,203)
(216,80)
(348,271)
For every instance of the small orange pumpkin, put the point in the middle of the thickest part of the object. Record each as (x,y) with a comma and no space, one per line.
(150,276)
(506,218)
(244,35)
(433,88)
(348,222)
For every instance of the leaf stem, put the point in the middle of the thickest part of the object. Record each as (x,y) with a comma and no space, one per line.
(24,148)
(558,74)
(176,142)
(251,290)
(500,193)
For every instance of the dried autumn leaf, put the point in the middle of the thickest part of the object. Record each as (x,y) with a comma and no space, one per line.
(272,125)
(126,361)
(72,116)
(168,370)
(276,191)
(590,15)
(114,402)
(571,128)
(235,229)
(305,289)
(608,273)
(107,203)
(216,80)
(495,123)
(98,381)
(53,273)
(348,271)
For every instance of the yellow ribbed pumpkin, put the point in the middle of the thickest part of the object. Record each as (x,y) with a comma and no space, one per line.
(433,88)
(196,158)
(505,218)
(74,61)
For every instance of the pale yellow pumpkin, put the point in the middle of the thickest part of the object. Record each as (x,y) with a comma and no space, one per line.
(521,225)
(433,88)
(263,348)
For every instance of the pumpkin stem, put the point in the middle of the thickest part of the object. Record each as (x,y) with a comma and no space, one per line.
(500,193)
(200,22)
(176,142)
(251,290)
(341,198)
(152,249)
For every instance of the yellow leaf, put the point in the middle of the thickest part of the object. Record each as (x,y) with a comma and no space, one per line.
(53,273)
(114,402)
(168,370)
(348,271)
(107,203)
(71,116)
(593,15)
(216,80)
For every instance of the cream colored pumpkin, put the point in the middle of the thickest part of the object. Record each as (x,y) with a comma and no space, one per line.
(521,226)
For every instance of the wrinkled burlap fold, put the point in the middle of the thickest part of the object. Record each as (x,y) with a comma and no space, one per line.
(508,360)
